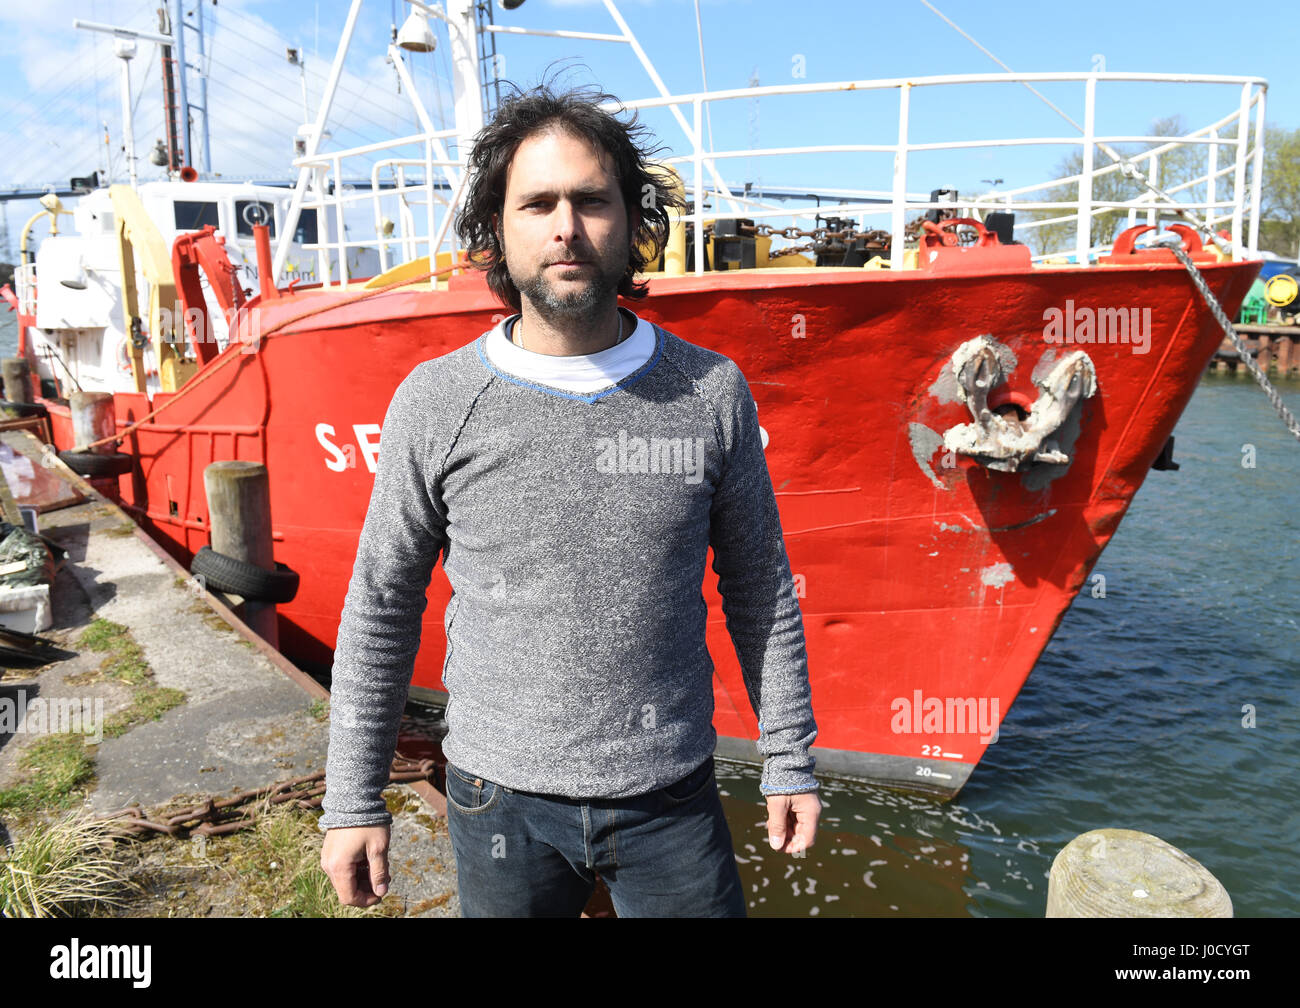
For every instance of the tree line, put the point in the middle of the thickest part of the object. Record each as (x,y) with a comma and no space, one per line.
(1279,229)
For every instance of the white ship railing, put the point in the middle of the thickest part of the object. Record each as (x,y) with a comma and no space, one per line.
(1240,207)
(399,238)
(413,209)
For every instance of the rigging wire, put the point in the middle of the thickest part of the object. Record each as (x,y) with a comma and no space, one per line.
(1050,104)
(99,113)
(370,96)
(61,71)
(44,110)
(44,113)
(91,79)
(258,96)
(143,85)
(1127,166)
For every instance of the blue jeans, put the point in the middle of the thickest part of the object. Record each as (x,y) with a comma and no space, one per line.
(662,854)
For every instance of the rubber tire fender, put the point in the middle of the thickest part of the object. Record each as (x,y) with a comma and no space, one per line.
(24,409)
(94,465)
(239,577)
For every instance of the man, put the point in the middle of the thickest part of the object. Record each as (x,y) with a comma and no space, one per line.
(580,738)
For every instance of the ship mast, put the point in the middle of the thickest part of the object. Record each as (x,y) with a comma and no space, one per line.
(466,80)
(175,154)
(461,18)
(125,47)
(462,27)
(179,27)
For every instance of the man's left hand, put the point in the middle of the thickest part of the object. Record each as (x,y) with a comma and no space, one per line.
(792,821)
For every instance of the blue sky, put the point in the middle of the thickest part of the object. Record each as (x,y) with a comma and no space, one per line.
(62,84)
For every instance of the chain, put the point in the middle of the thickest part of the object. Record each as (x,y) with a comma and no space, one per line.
(880,239)
(830,241)
(216,817)
(1287,416)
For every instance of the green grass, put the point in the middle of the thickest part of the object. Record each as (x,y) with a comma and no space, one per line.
(278,863)
(68,869)
(57,770)
(149,703)
(125,661)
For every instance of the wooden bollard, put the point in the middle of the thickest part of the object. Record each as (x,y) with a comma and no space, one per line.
(93,419)
(17,379)
(239,506)
(1124,873)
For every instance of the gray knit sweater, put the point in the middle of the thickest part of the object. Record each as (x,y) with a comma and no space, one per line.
(573,530)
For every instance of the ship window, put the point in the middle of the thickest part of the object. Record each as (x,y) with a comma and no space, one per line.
(192,215)
(306,232)
(250,212)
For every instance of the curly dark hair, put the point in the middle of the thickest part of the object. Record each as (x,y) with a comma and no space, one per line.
(648,192)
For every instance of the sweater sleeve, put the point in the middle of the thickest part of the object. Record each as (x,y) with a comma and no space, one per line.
(758,597)
(379,632)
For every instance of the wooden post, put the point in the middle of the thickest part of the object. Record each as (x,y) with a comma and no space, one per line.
(239,511)
(1265,356)
(17,379)
(1123,873)
(239,506)
(92,419)
(1285,355)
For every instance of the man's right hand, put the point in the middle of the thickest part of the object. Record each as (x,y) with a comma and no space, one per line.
(356,860)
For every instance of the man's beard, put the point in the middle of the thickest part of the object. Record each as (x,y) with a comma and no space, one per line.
(581,302)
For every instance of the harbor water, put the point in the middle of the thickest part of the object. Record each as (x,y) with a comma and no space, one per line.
(1170,704)
(1137,716)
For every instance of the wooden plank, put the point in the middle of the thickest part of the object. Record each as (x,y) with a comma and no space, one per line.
(8,506)
(1268,330)
(34,485)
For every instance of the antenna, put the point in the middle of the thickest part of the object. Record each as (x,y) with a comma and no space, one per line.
(124,45)
(203,86)
(180,26)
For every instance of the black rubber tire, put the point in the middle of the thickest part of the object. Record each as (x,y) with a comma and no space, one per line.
(93,465)
(24,409)
(230,574)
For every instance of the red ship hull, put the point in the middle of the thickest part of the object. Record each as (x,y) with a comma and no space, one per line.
(920,583)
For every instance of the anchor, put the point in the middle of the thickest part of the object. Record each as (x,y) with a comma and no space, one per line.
(1003,441)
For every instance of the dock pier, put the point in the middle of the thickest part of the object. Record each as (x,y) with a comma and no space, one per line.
(199,706)
(1276,349)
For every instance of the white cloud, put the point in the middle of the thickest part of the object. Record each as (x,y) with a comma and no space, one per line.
(65,85)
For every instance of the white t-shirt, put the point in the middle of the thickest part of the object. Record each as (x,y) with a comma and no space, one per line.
(582,373)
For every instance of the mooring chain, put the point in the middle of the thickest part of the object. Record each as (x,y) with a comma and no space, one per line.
(1274,397)
(876,240)
(211,816)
